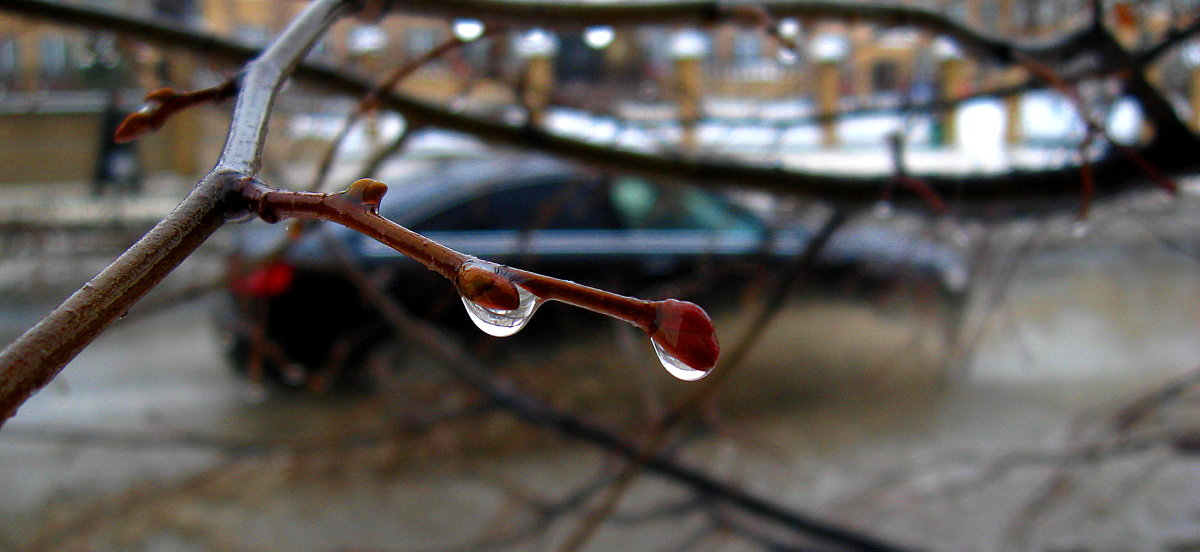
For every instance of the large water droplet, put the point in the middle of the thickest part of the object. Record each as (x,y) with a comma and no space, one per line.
(676,367)
(503,323)
(684,339)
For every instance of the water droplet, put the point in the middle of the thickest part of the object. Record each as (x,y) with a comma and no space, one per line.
(467,30)
(1080,228)
(676,367)
(883,210)
(503,323)
(684,339)
(786,56)
(599,37)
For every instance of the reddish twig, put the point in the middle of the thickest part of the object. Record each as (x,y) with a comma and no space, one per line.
(161,104)
(681,329)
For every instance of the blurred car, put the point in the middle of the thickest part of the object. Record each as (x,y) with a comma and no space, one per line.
(620,233)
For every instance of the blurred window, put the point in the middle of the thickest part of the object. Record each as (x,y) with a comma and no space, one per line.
(747,48)
(419,40)
(366,39)
(53,56)
(546,205)
(885,77)
(641,205)
(476,52)
(9,66)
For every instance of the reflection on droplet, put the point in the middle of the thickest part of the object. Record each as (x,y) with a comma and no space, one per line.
(676,367)
(1080,228)
(786,56)
(503,323)
(883,210)
(599,37)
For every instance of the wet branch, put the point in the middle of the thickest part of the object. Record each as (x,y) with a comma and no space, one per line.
(681,328)
(37,356)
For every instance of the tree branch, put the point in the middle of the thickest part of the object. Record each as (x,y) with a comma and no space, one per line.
(38,355)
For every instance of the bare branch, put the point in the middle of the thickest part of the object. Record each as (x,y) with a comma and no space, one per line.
(680,328)
(30,362)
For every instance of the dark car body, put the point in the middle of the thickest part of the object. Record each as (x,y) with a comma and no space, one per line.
(622,234)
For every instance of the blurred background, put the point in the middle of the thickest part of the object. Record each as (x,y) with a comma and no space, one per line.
(1011,379)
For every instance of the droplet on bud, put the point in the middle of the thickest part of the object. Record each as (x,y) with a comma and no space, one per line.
(367,191)
(481,285)
(496,305)
(684,339)
(501,322)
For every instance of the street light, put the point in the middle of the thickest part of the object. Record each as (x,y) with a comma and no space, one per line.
(468,30)
(688,44)
(829,48)
(537,43)
(599,37)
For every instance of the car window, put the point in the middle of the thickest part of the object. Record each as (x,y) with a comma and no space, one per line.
(553,204)
(641,205)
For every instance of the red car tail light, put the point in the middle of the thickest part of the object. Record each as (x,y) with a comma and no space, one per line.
(269,280)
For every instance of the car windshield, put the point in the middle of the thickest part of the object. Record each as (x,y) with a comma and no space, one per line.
(547,203)
(641,205)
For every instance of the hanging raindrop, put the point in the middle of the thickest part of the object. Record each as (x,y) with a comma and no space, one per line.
(676,367)
(501,322)
(684,340)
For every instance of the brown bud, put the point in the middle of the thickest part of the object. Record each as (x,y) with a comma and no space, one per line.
(482,285)
(367,191)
